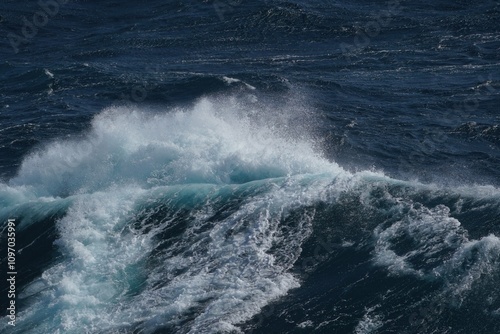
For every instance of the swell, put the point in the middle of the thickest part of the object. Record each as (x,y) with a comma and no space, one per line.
(195,219)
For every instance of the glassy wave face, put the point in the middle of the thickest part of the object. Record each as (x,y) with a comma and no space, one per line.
(267,166)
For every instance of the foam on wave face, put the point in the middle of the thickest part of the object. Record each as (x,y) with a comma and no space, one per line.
(214,142)
(175,220)
(134,177)
(431,245)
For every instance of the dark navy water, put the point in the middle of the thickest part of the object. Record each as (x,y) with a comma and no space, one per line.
(251,166)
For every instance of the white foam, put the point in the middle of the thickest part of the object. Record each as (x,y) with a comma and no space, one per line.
(238,274)
(130,159)
(306,324)
(473,261)
(48,73)
(213,142)
(218,273)
(442,244)
(370,322)
(430,230)
(230,80)
(79,291)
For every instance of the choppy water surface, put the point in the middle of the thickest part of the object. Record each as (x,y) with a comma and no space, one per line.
(253,167)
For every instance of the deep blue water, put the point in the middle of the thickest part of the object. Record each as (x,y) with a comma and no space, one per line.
(251,166)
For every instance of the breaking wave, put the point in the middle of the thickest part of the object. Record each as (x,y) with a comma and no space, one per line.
(192,220)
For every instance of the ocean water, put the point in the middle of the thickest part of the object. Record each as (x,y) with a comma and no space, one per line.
(237,166)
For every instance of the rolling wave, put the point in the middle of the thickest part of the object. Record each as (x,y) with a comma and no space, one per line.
(194,219)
